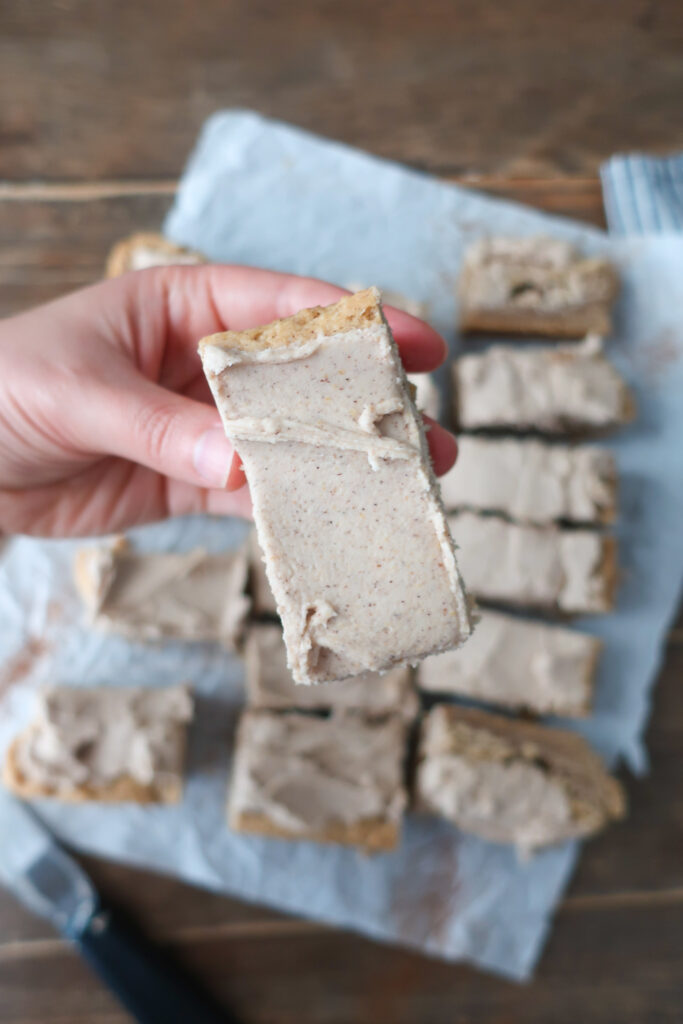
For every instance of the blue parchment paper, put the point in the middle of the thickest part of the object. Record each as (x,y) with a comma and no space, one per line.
(263,193)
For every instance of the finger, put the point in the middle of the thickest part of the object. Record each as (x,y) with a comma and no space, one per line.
(443,446)
(137,420)
(183,500)
(204,300)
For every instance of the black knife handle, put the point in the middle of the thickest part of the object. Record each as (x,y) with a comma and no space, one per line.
(149,985)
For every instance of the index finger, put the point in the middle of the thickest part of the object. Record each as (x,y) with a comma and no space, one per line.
(213,298)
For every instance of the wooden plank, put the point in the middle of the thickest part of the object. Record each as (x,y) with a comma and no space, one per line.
(101,89)
(54,239)
(600,967)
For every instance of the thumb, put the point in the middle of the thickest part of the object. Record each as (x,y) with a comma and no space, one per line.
(173,435)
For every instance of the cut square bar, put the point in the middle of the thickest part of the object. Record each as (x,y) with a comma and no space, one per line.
(110,744)
(270,684)
(531,481)
(516,663)
(510,781)
(535,286)
(356,545)
(570,571)
(147,249)
(189,596)
(554,389)
(329,780)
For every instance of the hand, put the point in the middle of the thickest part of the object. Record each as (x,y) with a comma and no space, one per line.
(106,420)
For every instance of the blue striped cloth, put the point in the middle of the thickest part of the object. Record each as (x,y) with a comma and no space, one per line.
(643,194)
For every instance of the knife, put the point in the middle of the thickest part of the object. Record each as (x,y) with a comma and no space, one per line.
(50,882)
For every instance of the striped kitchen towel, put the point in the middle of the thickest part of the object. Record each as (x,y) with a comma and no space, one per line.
(643,194)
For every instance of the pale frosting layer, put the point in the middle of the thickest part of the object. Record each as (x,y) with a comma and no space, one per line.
(190,596)
(544,275)
(553,389)
(535,566)
(147,249)
(518,664)
(531,481)
(262,600)
(512,782)
(427,394)
(356,545)
(94,737)
(303,773)
(270,683)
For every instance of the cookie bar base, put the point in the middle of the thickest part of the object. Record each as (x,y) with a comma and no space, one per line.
(122,790)
(159,251)
(372,836)
(593,319)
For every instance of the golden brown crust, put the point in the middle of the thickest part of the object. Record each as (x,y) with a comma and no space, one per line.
(592,319)
(122,790)
(589,682)
(375,835)
(82,575)
(304,325)
(119,258)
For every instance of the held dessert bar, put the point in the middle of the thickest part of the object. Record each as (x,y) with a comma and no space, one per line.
(516,663)
(531,481)
(535,286)
(110,744)
(329,780)
(570,571)
(356,545)
(147,249)
(270,683)
(556,389)
(510,781)
(190,596)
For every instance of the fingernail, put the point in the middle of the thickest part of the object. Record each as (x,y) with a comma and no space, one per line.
(213,457)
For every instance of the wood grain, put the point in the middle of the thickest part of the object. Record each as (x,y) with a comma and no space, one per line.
(594,970)
(102,101)
(107,88)
(55,238)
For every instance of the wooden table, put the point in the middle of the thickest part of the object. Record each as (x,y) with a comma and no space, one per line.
(101,103)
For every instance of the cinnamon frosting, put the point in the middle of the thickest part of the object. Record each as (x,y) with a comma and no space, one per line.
(270,683)
(550,389)
(190,596)
(531,481)
(304,773)
(93,737)
(147,249)
(573,571)
(520,664)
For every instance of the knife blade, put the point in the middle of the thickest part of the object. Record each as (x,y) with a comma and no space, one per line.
(153,988)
